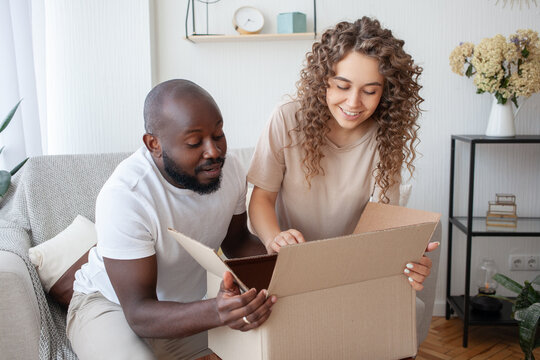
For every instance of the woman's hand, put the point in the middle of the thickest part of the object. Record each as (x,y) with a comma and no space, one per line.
(284,238)
(418,272)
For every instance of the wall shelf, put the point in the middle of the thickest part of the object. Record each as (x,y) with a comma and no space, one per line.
(203,38)
(254,37)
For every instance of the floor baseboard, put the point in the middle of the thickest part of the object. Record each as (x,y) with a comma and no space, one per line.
(439,308)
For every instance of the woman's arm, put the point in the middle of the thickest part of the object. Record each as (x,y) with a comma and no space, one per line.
(262,215)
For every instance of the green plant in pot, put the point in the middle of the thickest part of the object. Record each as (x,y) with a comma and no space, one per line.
(526,310)
(5,176)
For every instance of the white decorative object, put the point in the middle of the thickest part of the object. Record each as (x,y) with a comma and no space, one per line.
(501,120)
(248,20)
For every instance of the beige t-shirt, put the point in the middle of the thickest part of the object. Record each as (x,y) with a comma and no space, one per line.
(335,201)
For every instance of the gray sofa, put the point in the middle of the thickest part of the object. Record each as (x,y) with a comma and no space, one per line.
(45,197)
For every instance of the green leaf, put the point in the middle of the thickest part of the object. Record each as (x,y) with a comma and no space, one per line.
(514,100)
(16,168)
(526,297)
(2,148)
(9,116)
(504,82)
(500,98)
(527,329)
(480,91)
(469,70)
(508,283)
(536,280)
(5,180)
(525,52)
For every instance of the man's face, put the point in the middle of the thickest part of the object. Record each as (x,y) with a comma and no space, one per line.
(187,181)
(193,145)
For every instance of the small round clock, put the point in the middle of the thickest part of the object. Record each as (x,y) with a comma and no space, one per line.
(248,20)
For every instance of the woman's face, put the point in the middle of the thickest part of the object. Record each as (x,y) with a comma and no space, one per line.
(355,91)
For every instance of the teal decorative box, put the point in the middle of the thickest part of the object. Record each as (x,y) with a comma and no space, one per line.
(292,22)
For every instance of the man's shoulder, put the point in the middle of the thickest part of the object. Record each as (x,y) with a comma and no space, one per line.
(128,177)
(233,168)
(131,170)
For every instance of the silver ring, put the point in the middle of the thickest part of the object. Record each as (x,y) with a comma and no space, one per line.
(246,320)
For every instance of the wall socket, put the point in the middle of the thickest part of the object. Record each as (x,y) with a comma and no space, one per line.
(524,262)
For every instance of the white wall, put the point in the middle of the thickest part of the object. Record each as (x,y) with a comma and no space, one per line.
(102,112)
(98,71)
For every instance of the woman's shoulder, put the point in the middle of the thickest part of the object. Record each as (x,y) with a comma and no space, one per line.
(284,114)
(289,106)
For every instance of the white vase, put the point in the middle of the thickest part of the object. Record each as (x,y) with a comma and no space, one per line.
(501,120)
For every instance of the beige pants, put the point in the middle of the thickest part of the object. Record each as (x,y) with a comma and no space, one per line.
(98,329)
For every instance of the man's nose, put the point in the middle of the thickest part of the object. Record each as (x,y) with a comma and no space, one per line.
(211,150)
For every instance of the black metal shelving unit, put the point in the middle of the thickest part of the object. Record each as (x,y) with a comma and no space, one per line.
(476,226)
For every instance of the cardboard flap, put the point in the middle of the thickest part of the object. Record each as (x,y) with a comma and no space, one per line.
(205,256)
(345,260)
(381,216)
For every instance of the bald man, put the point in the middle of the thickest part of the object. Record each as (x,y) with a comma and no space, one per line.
(141,296)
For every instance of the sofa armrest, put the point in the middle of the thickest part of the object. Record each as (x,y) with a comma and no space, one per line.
(20,325)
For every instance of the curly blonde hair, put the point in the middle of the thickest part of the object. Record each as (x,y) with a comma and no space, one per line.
(395,115)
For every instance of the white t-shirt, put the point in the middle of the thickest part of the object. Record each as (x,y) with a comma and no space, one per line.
(134,210)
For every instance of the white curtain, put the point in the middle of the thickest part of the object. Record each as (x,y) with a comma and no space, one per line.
(23,137)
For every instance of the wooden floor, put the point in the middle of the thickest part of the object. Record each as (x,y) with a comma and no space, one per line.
(485,342)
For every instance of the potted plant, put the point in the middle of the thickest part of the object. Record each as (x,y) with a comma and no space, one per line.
(526,310)
(5,176)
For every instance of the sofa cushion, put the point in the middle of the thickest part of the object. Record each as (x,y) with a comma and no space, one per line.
(58,259)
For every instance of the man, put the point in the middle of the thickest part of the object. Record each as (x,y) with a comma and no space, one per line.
(141,295)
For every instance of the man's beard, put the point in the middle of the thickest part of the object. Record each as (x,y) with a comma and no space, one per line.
(190,182)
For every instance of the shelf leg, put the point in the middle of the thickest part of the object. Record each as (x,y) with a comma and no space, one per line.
(448,271)
(450,215)
(466,308)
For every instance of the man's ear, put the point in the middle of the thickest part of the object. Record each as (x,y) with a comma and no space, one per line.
(153,145)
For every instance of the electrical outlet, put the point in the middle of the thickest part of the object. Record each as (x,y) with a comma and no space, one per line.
(524,262)
(532,262)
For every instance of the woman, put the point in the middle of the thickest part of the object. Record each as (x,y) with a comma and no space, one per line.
(343,139)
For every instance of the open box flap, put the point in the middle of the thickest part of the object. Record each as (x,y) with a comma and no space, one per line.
(349,259)
(205,256)
(381,216)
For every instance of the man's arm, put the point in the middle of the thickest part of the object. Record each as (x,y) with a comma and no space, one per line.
(239,242)
(134,282)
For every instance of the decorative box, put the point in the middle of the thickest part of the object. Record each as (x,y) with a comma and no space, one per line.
(292,22)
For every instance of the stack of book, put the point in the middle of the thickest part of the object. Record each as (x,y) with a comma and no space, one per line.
(502,212)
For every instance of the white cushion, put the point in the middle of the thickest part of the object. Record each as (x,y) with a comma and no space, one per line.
(54,257)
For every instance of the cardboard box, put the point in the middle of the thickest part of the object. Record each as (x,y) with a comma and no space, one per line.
(292,22)
(339,298)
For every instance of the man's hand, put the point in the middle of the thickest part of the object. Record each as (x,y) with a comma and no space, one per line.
(418,272)
(242,311)
(284,238)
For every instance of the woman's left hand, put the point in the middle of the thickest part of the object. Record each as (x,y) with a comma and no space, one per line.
(418,272)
